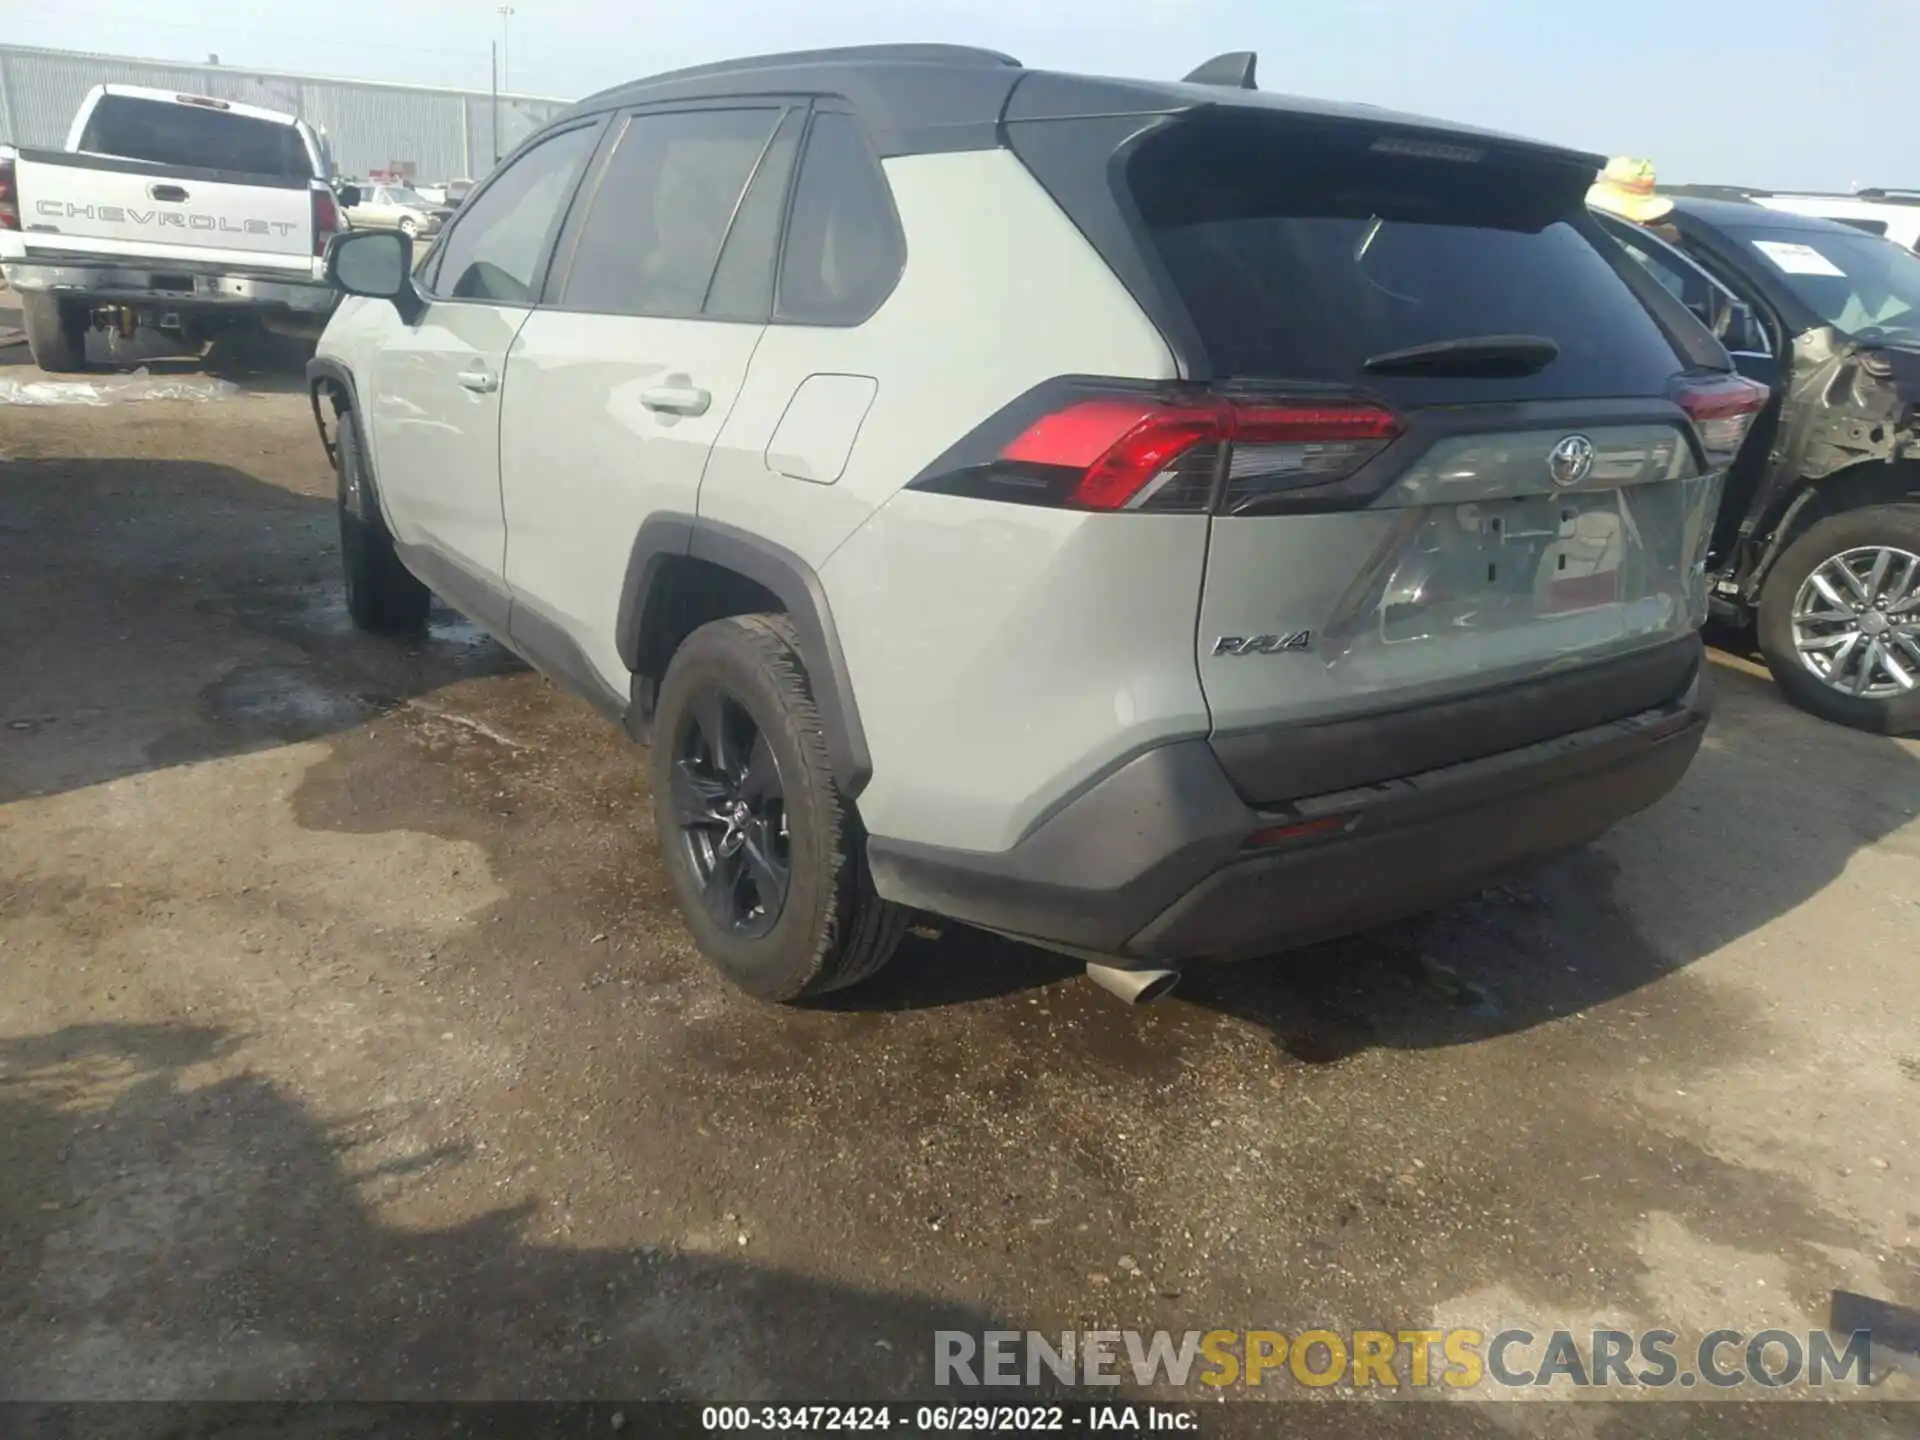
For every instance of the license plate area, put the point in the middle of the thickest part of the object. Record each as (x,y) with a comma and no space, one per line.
(1488,565)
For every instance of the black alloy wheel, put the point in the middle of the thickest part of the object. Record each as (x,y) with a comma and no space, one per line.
(732,814)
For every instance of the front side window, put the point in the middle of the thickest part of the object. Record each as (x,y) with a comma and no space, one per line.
(661,210)
(494,252)
(1731,320)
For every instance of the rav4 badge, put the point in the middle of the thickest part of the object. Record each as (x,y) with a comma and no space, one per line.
(1263,644)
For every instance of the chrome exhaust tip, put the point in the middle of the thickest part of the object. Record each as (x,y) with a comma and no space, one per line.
(1135,987)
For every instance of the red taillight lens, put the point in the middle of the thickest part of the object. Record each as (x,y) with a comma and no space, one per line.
(1722,408)
(9,197)
(1143,453)
(326,220)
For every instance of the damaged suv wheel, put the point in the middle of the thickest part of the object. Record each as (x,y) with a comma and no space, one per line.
(1840,620)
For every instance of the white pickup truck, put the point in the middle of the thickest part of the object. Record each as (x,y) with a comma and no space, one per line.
(181,212)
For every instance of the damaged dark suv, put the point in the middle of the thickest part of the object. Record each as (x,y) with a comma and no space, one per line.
(1817,550)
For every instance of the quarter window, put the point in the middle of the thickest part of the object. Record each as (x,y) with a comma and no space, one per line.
(843,253)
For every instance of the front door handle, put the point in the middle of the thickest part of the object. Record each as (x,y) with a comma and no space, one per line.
(481,382)
(677,399)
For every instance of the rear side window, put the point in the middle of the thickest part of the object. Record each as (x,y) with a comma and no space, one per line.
(495,250)
(195,137)
(661,210)
(742,287)
(1301,254)
(844,252)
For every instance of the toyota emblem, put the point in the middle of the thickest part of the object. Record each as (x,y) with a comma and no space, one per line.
(1571,461)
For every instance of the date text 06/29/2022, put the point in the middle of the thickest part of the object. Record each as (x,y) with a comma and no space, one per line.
(918,1419)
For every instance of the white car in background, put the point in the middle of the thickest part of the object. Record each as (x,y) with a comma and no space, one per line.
(1892,213)
(385,206)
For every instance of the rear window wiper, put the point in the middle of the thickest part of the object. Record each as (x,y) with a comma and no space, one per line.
(1488,356)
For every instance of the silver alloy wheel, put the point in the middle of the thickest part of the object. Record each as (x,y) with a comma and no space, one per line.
(1856,622)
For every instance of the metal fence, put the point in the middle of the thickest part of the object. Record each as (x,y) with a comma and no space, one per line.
(434,134)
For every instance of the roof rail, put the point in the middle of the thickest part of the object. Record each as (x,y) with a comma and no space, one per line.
(916,54)
(1233,70)
(1715,192)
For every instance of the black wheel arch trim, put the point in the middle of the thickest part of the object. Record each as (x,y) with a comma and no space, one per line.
(665,537)
(321,372)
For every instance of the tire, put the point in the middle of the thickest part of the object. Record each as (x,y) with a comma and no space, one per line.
(409,227)
(1893,529)
(56,332)
(382,595)
(743,677)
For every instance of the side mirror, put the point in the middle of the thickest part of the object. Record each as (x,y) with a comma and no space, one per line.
(376,263)
(1745,334)
(348,195)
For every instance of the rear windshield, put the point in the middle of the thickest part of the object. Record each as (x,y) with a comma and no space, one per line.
(1301,255)
(193,137)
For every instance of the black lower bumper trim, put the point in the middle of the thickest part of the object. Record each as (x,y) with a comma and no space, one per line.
(1439,850)
(1149,863)
(1284,762)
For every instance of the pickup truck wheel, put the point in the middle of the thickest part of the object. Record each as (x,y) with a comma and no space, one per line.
(56,332)
(1840,620)
(382,595)
(766,857)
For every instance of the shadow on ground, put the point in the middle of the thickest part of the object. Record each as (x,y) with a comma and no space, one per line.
(176,1227)
(165,611)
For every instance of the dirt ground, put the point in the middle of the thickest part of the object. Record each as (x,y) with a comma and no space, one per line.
(350,1044)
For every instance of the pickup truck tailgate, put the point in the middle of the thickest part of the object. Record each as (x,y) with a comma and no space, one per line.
(261,221)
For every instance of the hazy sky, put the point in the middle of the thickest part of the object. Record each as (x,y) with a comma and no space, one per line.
(1807,93)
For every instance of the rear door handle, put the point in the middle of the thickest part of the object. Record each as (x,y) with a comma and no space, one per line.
(481,382)
(167,192)
(677,399)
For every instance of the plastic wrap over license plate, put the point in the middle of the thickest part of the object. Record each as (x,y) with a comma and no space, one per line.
(1501,582)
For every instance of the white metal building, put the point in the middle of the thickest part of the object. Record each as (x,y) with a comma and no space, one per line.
(436,134)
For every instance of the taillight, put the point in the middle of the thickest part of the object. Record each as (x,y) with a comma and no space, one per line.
(9,197)
(1722,408)
(1142,451)
(326,220)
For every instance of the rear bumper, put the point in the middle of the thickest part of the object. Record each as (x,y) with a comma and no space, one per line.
(186,289)
(1151,865)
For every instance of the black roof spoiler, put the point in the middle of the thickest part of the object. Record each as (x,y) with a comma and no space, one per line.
(1233,70)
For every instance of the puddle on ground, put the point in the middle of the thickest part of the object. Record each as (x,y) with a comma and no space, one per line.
(284,703)
(255,705)
(452,645)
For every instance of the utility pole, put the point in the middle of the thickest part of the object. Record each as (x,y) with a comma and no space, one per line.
(505,12)
(502,83)
(493,52)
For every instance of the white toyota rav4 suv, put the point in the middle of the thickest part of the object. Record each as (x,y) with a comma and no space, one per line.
(1162,522)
